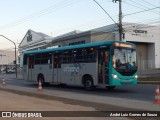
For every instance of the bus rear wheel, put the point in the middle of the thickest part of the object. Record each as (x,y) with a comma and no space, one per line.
(88,84)
(41,79)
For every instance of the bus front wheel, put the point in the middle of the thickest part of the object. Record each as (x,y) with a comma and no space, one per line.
(88,84)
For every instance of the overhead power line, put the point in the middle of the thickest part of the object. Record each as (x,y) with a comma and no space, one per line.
(142,11)
(38,14)
(149,3)
(105,11)
(143,6)
(140,7)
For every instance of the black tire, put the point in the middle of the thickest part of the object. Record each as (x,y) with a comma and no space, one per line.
(88,83)
(110,87)
(40,79)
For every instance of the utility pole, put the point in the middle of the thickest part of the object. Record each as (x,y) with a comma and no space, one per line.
(120,18)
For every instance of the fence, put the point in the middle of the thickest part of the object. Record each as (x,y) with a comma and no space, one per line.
(9,68)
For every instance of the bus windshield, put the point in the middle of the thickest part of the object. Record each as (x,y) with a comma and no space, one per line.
(124,59)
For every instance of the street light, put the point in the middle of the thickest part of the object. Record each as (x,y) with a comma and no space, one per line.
(15,53)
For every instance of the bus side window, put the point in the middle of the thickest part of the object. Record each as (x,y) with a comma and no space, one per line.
(64,57)
(83,54)
(78,55)
(67,56)
(86,54)
(45,58)
(38,58)
(92,54)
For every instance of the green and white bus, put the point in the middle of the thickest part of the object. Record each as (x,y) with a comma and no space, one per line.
(106,64)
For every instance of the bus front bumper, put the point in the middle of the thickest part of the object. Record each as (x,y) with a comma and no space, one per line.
(118,82)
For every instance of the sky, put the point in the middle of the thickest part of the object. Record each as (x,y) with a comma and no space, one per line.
(56,17)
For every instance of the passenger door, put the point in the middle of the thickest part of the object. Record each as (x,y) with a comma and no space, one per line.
(103,66)
(57,67)
(30,64)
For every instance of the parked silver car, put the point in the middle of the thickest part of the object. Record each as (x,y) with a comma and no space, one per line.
(11,70)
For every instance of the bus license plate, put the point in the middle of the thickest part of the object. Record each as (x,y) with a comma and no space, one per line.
(126,80)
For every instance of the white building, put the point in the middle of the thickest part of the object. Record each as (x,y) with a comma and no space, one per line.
(146,38)
(33,40)
(7,57)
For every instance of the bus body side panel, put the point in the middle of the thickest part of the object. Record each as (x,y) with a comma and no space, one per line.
(27,74)
(67,74)
(73,73)
(45,70)
(57,75)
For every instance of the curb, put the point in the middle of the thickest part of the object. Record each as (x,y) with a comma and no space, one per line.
(149,82)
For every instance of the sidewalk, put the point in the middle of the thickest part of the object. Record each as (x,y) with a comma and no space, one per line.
(149,73)
(8,76)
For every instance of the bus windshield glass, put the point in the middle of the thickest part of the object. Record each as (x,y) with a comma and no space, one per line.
(124,59)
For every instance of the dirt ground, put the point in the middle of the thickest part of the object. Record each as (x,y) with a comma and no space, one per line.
(14,102)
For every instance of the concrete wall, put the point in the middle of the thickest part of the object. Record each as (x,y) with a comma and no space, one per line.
(151,56)
(153,49)
(157,54)
(69,40)
(142,55)
(101,36)
(150,37)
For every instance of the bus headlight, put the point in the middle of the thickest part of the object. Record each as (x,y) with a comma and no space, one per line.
(136,76)
(115,76)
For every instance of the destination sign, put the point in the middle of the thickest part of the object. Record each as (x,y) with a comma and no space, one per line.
(122,45)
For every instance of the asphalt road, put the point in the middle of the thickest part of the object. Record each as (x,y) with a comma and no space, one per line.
(142,92)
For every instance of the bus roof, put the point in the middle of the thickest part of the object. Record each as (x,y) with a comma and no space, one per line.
(107,42)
